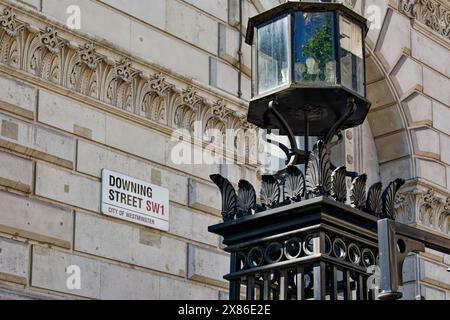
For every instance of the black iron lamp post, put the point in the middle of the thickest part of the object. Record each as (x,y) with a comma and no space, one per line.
(308,70)
(307,235)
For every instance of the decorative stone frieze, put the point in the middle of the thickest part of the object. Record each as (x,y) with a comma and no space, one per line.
(432,13)
(80,68)
(424,206)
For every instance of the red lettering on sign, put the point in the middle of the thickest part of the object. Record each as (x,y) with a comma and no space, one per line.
(155,207)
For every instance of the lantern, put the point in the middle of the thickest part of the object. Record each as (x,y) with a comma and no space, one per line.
(308,60)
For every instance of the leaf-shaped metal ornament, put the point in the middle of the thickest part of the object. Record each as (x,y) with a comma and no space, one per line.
(270,191)
(388,199)
(246,201)
(338,185)
(374,205)
(294,185)
(229,199)
(358,191)
(318,173)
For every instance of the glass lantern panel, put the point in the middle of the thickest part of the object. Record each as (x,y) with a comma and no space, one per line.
(351,55)
(315,59)
(273,55)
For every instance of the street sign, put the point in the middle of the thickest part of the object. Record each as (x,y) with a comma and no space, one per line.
(134,200)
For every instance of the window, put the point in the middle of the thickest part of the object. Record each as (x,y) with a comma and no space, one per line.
(273,55)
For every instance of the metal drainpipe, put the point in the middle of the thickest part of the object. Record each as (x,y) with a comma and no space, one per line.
(239,93)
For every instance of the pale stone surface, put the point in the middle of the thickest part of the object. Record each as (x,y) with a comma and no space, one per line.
(392,147)
(375,11)
(431,293)
(187,158)
(96,19)
(434,273)
(379,94)
(217,8)
(418,109)
(436,85)
(393,169)
(409,291)
(138,140)
(143,247)
(16,172)
(14,261)
(432,171)
(441,114)
(101,280)
(407,75)
(174,289)
(35,141)
(49,271)
(67,187)
(119,283)
(430,52)
(426,142)
(445,148)
(370,156)
(409,271)
(207,265)
(385,120)
(17,97)
(36,4)
(227,78)
(176,53)
(396,35)
(191,26)
(67,115)
(204,197)
(91,159)
(149,11)
(34,219)
(373,72)
(193,225)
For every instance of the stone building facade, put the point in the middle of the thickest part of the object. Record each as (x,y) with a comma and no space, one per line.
(120,84)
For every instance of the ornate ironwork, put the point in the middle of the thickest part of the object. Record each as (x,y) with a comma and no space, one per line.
(296,253)
(358,191)
(318,173)
(270,192)
(374,205)
(229,199)
(388,198)
(338,185)
(294,185)
(246,201)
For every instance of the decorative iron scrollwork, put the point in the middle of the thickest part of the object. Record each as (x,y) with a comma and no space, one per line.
(388,198)
(358,192)
(229,199)
(338,186)
(294,185)
(270,192)
(319,181)
(246,201)
(318,174)
(374,205)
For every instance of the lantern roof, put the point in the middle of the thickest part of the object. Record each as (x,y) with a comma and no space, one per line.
(290,7)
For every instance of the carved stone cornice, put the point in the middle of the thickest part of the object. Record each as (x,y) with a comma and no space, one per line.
(49,57)
(432,13)
(424,206)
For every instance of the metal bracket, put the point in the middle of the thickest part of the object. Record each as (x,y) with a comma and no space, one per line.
(351,107)
(294,154)
(395,241)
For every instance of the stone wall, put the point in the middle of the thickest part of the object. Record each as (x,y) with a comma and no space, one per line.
(111,94)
